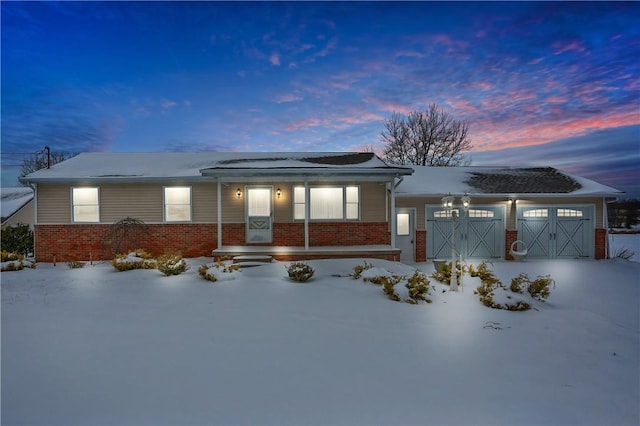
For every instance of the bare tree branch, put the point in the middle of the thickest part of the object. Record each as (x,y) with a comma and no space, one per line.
(430,138)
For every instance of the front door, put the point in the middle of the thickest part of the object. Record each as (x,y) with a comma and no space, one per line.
(405,234)
(259,214)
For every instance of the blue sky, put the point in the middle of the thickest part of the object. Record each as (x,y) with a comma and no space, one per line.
(539,83)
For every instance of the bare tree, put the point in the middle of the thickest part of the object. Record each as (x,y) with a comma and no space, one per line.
(42,160)
(430,138)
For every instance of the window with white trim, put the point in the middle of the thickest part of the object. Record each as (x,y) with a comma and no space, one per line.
(177,203)
(569,213)
(536,213)
(327,203)
(86,204)
(481,213)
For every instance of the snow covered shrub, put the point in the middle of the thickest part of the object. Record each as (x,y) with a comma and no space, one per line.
(300,271)
(75,264)
(494,294)
(137,259)
(444,274)
(358,269)
(17,238)
(418,286)
(172,264)
(204,273)
(539,288)
(224,270)
(623,253)
(10,261)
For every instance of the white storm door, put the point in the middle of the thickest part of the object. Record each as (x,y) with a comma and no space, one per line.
(405,234)
(259,215)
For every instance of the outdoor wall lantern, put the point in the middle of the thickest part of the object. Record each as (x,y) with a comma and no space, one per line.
(447,203)
(238,193)
(278,192)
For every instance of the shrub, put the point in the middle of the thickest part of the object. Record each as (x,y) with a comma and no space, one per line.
(492,285)
(137,259)
(75,264)
(300,271)
(539,288)
(172,264)
(623,253)
(11,261)
(358,269)
(17,239)
(444,274)
(418,286)
(519,283)
(208,271)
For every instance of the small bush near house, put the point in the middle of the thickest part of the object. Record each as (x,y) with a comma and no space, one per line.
(300,271)
(75,264)
(223,268)
(172,264)
(358,269)
(418,286)
(10,261)
(444,274)
(17,239)
(539,288)
(137,259)
(494,294)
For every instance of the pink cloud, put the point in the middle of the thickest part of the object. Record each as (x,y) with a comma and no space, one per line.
(287,97)
(570,46)
(274,59)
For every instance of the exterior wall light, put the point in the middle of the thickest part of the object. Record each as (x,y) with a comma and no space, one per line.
(238,193)
(278,192)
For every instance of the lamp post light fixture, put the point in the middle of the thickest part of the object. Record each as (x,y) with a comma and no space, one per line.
(447,203)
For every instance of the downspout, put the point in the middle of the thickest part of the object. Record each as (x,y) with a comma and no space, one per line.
(219,208)
(35,215)
(393,212)
(307,211)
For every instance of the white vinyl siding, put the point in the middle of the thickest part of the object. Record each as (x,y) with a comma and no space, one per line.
(86,205)
(177,204)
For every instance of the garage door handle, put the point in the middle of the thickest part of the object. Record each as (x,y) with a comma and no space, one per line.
(411,241)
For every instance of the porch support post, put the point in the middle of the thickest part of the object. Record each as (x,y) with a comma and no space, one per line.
(307,211)
(219,208)
(393,213)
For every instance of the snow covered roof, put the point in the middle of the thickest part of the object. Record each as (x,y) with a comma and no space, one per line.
(103,166)
(499,181)
(13,199)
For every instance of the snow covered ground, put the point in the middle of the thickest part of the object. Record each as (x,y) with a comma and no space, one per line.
(625,241)
(97,346)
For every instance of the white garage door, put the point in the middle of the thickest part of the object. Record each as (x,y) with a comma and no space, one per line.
(557,232)
(479,233)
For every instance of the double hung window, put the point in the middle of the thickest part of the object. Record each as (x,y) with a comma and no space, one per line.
(86,204)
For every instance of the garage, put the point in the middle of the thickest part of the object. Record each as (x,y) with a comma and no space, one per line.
(557,232)
(479,232)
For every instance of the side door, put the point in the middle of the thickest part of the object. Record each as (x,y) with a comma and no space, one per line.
(405,234)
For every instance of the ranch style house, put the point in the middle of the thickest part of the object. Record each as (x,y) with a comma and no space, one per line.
(312,205)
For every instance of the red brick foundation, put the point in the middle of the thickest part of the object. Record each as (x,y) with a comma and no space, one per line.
(85,241)
(98,242)
(601,244)
(421,246)
(510,237)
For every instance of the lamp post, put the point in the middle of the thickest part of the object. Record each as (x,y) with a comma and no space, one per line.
(447,203)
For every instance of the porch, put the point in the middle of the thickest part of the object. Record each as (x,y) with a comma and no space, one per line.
(320,252)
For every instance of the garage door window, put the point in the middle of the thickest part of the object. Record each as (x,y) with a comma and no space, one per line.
(536,213)
(569,213)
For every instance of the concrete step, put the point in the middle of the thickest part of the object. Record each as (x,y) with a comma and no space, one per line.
(255,258)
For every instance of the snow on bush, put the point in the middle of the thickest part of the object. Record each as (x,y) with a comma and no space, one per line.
(397,287)
(300,271)
(444,273)
(14,262)
(222,270)
(495,295)
(137,259)
(172,264)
